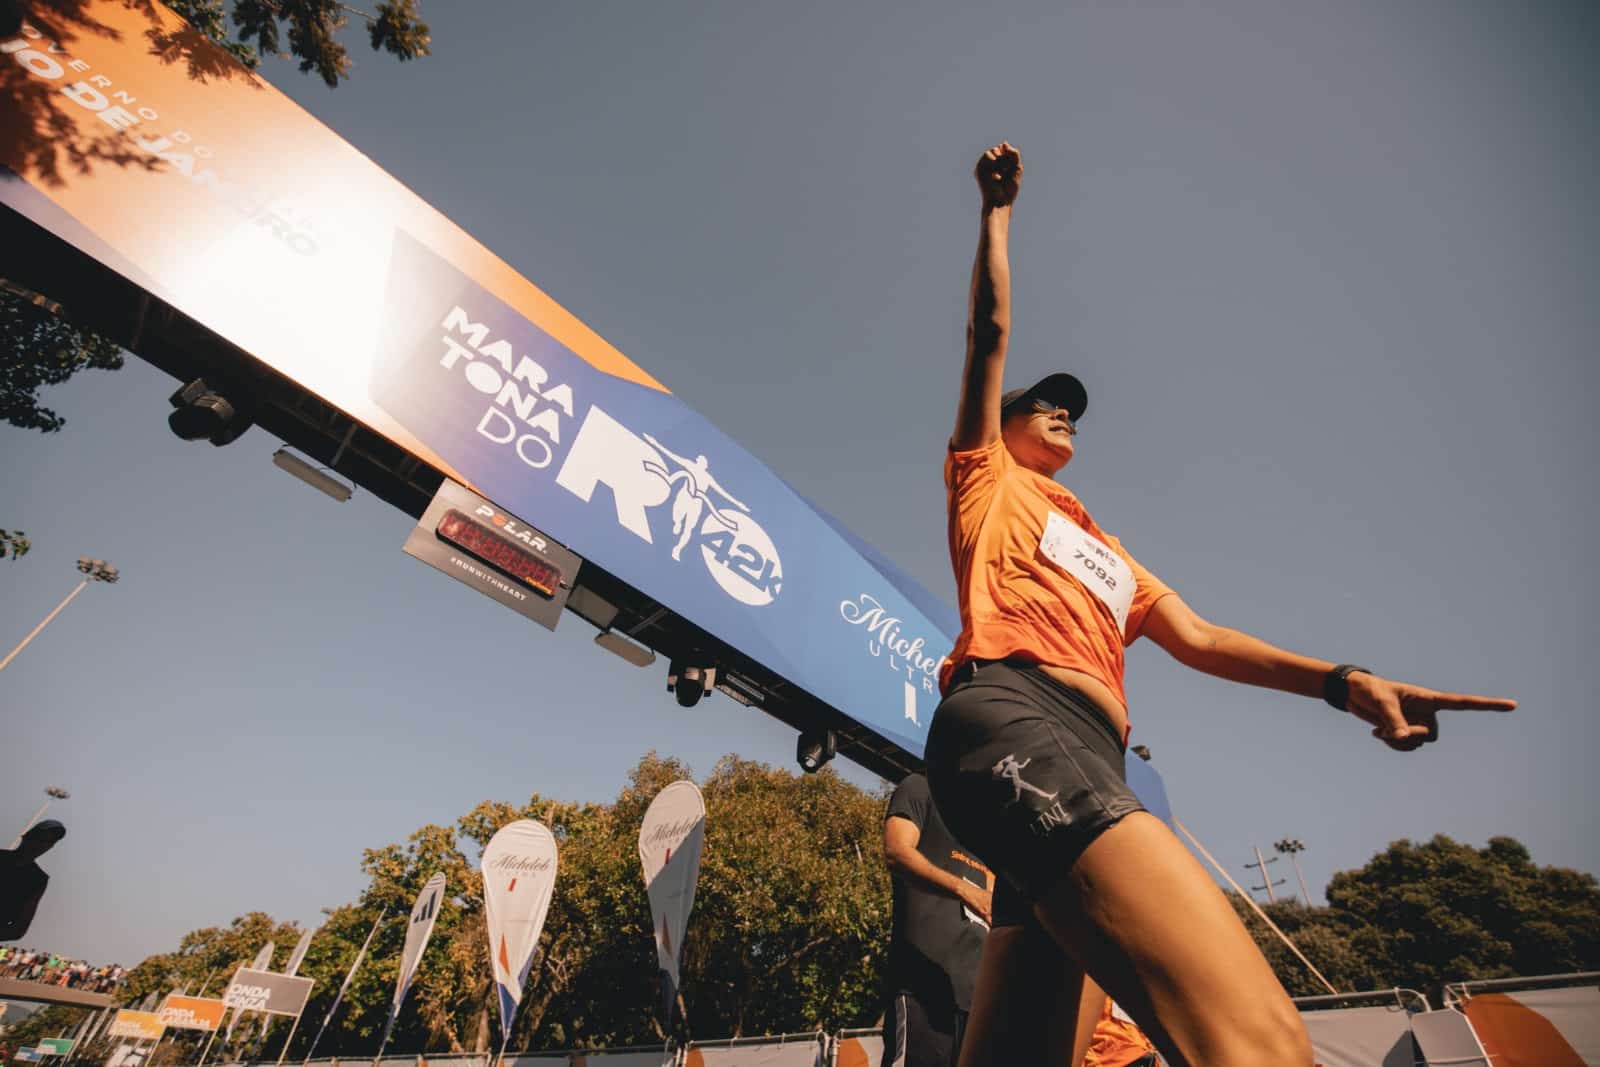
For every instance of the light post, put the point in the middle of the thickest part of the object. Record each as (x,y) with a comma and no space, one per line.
(51,792)
(94,570)
(1292,847)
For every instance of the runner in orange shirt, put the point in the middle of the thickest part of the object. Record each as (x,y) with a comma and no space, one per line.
(1025,753)
(1118,1041)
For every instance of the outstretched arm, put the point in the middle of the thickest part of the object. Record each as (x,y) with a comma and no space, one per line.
(1402,716)
(900,839)
(999,174)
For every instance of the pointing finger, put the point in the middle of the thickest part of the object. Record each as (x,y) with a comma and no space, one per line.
(1469,702)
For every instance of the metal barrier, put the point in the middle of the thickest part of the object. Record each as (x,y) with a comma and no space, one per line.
(1539,1021)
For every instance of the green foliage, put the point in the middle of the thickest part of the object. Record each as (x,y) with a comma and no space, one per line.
(54,1020)
(1444,911)
(312,29)
(14,543)
(1418,916)
(38,349)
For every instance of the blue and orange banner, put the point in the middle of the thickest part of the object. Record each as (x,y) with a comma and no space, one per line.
(148,148)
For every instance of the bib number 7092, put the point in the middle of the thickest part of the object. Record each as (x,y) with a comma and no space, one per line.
(1092,562)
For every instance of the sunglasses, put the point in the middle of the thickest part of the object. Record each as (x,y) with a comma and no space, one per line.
(1044,407)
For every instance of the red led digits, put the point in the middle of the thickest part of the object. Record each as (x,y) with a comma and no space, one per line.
(497,552)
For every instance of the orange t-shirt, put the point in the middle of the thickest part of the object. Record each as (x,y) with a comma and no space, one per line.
(1037,579)
(1117,1040)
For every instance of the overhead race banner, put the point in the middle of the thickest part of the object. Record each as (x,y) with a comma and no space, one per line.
(139,1025)
(225,199)
(519,876)
(275,994)
(191,1013)
(298,956)
(670,842)
(423,915)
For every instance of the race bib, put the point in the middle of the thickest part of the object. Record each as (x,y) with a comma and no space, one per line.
(1088,559)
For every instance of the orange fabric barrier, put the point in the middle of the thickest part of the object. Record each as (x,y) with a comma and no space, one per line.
(1515,1035)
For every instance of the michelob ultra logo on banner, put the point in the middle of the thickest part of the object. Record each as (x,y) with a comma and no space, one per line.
(222,197)
(519,876)
(139,1025)
(191,1013)
(268,991)
(670,842)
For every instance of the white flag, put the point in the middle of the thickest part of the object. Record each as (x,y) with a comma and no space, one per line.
(263,961)
(298,956)
(423,914)
(670,842)
(519,876)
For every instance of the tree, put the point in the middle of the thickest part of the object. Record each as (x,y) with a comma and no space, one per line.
(14,543)
(312,28)
(1331,940)
(37,349)
(1419,916)
(1445,912)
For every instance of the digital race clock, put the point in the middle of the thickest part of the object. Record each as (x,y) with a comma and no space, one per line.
(510,559)
(482,545)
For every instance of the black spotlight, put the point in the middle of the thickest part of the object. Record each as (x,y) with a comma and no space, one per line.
(814,749)
(689,684)
(203,414)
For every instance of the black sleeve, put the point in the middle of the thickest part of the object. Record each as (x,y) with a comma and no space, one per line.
(912,801)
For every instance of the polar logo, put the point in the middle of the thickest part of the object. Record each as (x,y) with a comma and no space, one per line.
(643,474)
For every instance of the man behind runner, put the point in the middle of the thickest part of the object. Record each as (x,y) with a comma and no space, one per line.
(23,881)
(941,914)
(1025,753)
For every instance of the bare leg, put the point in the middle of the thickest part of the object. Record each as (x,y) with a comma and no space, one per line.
(1026,1007)
(1159,936)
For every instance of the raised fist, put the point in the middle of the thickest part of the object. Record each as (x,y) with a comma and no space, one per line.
(999,174)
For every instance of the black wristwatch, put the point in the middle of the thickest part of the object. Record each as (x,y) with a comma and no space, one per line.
(1336,684)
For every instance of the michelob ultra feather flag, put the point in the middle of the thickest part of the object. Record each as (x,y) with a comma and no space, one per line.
(519,875)
(670,842)
(423,914)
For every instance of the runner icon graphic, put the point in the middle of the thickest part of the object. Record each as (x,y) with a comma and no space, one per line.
(693,485)
(1010,770)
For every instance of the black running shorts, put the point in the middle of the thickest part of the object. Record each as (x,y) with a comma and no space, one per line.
(1025,773)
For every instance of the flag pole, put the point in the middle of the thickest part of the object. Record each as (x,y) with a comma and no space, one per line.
(285,1050)
(346,985)
(210,1038)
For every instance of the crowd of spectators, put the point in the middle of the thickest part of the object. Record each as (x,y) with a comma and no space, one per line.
(32,965)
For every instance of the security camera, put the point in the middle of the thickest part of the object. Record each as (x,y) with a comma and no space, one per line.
(814,749)
(203,414)
(689,684)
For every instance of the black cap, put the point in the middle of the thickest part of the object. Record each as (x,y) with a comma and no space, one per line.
(1062,390)
(46,827)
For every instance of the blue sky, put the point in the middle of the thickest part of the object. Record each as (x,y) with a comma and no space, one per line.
(1326,270)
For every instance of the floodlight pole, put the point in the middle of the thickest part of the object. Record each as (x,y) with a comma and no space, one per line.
(53,792)
(94,570)
(1293,847)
